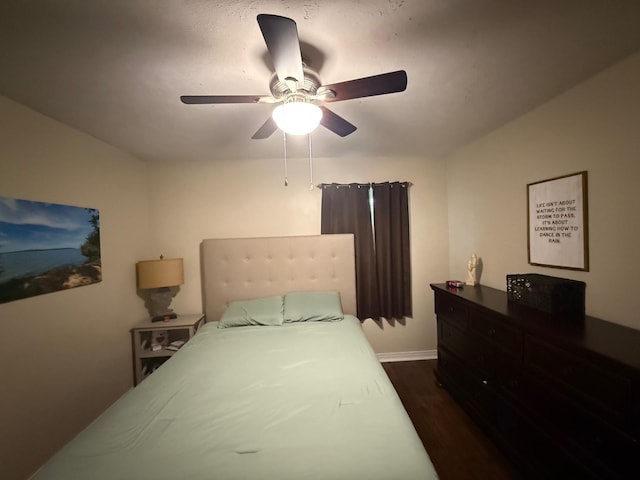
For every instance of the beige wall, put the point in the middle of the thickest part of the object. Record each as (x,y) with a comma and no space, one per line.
(593,127)
(247,198)
(66,356)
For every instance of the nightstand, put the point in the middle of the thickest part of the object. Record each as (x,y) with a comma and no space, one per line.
(151,342)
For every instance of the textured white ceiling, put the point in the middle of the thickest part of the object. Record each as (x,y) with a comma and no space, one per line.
(116,69)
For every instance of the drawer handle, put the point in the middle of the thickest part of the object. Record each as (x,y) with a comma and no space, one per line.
(491,332)
(450,309)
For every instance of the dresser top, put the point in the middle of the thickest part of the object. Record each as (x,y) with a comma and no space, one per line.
(587,334)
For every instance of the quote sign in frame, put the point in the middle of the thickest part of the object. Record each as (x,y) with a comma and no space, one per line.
(558,233)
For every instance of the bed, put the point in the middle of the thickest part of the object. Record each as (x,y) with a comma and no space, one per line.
(258,394)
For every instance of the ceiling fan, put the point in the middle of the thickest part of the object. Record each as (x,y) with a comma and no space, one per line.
(297,88)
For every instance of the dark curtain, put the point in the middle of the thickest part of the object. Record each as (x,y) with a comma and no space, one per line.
(345,209)
(393,259)
(383,266)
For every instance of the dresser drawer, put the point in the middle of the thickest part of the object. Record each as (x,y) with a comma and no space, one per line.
(451,369)
(589,440)
(607,394)
(506,376)
(483,361)
(449,309)
(505,337)
(456,340)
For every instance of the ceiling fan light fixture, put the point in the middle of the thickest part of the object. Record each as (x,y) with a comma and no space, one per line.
(297,116)
(299,89)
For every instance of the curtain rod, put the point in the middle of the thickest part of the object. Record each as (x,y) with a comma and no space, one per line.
(339,185)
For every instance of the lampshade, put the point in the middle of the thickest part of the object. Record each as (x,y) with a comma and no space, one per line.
(160,273)
(297,117)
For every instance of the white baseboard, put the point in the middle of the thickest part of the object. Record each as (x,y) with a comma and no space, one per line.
(407,356)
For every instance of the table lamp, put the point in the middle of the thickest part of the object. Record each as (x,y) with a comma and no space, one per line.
(160,278)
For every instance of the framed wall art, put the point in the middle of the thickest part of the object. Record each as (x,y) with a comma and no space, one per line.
(47,247)
(558,233)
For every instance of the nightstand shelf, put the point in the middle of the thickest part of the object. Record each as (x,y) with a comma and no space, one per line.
(145,360)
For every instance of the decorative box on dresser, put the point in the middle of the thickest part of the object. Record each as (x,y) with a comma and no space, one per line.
(560,396)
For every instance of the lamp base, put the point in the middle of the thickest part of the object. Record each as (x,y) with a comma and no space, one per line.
(164,318)
(158,301)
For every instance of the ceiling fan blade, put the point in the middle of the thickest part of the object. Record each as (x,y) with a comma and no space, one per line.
(336,123)
(382,84)
(281,36)
(266,130)
(208,99)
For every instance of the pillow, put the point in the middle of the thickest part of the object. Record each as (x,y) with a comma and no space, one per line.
(258,311)
(312,307)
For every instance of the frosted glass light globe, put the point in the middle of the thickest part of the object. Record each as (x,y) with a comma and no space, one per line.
(297,118)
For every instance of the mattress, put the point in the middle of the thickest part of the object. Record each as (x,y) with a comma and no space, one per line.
(305,400)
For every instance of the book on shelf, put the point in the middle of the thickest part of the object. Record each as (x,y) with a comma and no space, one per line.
(175,345)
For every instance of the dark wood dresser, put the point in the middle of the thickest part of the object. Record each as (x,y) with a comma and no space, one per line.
(560,397)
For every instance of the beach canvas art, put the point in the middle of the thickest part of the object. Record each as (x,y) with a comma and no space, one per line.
(46,247)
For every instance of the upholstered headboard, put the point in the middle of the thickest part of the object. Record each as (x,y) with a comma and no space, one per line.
(244,268)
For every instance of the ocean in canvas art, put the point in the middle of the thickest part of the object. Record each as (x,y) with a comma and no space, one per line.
(46,247)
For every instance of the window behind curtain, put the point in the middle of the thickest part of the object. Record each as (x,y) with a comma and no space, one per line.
(383,263)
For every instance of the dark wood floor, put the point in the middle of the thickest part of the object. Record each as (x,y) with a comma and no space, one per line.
(458,449)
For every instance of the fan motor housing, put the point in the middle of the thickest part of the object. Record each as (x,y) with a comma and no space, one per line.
(310,85)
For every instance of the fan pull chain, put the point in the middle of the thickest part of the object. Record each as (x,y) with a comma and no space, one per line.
(284,143)
(310,165)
